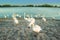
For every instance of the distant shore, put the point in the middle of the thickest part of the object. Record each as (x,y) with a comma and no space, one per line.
(30,5)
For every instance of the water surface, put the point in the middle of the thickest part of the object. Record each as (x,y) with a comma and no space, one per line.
(42,11)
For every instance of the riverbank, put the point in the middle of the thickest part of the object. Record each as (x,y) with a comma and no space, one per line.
(10,31)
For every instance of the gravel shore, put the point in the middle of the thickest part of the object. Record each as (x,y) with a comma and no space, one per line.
(10,31)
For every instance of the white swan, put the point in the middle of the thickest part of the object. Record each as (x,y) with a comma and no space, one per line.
(44,19)
(30,20)
(15,19)
(36,28)
(5,16)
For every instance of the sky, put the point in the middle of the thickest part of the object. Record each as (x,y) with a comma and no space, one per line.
(30,2)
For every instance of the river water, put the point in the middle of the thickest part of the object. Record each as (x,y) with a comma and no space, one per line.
(40,11)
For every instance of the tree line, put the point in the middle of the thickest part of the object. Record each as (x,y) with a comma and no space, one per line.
(30,5)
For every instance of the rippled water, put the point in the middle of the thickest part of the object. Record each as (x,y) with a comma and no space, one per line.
(42,11)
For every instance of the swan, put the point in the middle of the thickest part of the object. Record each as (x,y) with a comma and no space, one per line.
(36,28)
(5,16)
(30,20)
(44,19)
(15,19)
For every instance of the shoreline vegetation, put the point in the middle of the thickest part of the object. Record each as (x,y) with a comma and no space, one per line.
(30,5)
